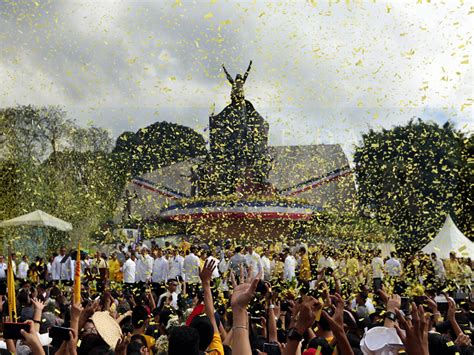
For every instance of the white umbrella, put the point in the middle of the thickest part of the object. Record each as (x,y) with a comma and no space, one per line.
(38,218)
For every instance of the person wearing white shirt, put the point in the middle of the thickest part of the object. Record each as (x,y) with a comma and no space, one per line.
(191,268)
(393,267)
(377,270)
(289,270)
(13,256)
(439,271)
(55,267)
(170,297)
(330,263)
(266,265)
(61,267)
(253,261)
(129,270)
(160,271)
(321,263)
(3,269)
(49,269)
(224,263)
(144,266)
(362,304)
(215,272)
(176,266)
(238,262)
(23,268)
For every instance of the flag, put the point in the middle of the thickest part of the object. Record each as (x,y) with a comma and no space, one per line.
(77,276)
(11,289)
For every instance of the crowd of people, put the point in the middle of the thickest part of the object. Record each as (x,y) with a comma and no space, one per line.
(268,298)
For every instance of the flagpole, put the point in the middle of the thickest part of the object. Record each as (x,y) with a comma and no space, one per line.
(11,287)
(77,276)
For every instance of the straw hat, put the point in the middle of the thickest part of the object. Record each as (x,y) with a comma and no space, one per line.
(107,327)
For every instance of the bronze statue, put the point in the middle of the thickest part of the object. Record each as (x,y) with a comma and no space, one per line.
(238,144)
(237,93)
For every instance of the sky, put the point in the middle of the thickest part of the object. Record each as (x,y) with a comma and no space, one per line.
(323,72)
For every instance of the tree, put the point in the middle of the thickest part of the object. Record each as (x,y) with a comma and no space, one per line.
(50,163)
(81,186)
(155,146)
(411,176)
(21,136)
(33,132)
(92,138)
(54,126)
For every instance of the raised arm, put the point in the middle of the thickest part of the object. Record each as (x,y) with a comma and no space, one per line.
(241,296)
(38,312)
(206,276)
(452,315)
(228,75)
(336,323)
(247,72)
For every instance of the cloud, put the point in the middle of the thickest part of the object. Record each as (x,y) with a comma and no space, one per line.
(321,73)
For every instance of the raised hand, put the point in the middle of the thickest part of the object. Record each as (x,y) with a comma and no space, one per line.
(416,331)
(76,310)
(206,272)
(243,293)
(306,313)
(451,308)
(32,340)
(452,315)
(432,305)
(39,305)
(463,340)
(394,302)
(87,312)
(122,343)
(336,322)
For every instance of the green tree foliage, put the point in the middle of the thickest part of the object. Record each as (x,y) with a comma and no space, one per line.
(411,176)
(50,163)
(155,146)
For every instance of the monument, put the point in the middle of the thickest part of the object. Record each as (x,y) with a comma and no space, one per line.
(242,187)
(238,160)
(232,195)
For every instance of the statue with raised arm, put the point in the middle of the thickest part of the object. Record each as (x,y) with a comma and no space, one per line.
(237,93)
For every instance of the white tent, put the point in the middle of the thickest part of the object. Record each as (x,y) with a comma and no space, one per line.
(38,218)
(448,239)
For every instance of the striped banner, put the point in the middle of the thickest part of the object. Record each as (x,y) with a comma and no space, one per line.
(239,210)
(316,182)
(160,189)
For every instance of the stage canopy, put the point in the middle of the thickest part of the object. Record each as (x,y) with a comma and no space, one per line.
(448,239)
(38,218)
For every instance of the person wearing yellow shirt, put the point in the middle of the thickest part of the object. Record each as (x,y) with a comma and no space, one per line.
(279,266)
(202,259)
(452,267)
(140,322)
(114,267)
(100,271)
(466,273)
(185,246)
(352,268)
(305,268)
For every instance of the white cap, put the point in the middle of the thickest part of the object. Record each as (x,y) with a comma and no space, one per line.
(381,341)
